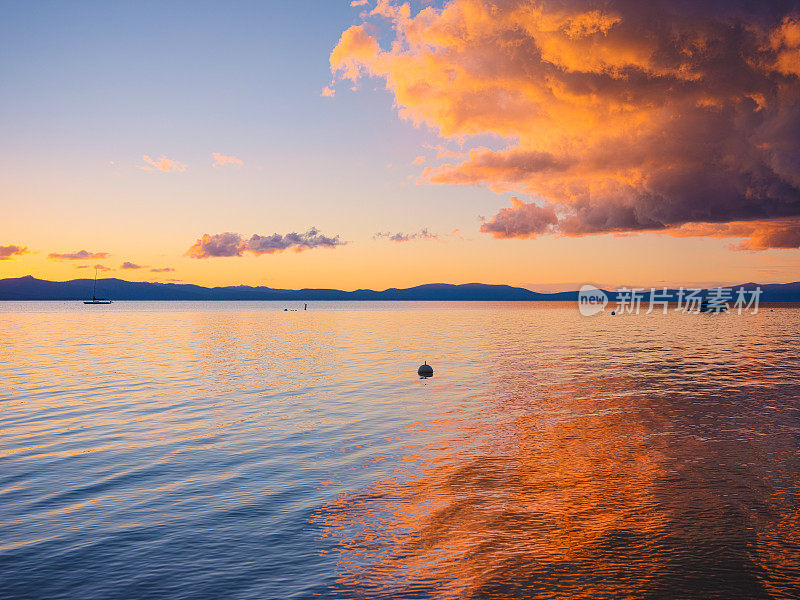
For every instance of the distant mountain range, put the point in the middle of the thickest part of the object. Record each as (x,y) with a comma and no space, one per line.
(30,288)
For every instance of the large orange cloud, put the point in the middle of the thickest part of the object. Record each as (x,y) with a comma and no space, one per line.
(622,115)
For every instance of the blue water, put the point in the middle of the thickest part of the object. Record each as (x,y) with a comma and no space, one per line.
(233,450)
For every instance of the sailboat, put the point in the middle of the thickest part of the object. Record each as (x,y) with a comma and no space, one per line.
(95,299)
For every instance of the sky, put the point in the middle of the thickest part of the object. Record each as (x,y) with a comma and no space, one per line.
(377,144)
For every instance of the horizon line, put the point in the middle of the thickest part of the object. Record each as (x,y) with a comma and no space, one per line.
(604,287)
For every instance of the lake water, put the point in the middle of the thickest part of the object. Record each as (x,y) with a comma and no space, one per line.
(202,450)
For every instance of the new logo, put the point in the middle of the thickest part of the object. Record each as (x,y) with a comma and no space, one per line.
(591,300)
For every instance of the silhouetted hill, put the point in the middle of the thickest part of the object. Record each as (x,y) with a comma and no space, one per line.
(30,288)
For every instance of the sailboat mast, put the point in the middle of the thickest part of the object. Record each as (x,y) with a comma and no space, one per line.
(94,292)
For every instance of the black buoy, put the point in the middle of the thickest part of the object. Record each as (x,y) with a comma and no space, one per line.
(425,370)
(613,313)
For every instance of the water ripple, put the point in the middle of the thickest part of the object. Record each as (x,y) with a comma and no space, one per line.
(191,450)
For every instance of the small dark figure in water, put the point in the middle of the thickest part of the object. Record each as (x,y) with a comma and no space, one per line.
(425,370)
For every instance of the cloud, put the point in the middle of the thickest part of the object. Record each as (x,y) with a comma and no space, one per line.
(221,160)
(620,116)
(8,252)
(354,53)
(419,160)
(785,41)
(359,2)
(163,164)
(422,234)
(760,235)
(100,268)
(296,241)
(220,244)
(79,255)
(521,220)
(162,270)
(130,265)
(328,92)
(233,244)
(391,10)
(442,152)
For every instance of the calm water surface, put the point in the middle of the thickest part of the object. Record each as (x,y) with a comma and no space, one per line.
(202,450)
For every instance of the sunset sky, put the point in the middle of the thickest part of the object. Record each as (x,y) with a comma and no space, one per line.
(376,144)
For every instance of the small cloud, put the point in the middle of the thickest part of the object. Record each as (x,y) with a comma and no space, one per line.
(355,3)
(130,265)
(328,92)
(296,241)
(390,11)
(220,160)
(175,280)
(521,220)
(96,267)
(162,270)
(422,234)
(442,152)
(217,245)
(233,244)
(79,255)
(419,160)
(162,164)
(7,252)
(456,233)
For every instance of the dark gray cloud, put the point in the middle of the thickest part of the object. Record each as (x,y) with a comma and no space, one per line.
(130,265)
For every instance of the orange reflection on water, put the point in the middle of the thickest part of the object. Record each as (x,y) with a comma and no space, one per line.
(623,467)
(497,505)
